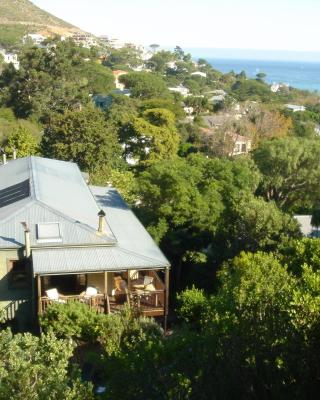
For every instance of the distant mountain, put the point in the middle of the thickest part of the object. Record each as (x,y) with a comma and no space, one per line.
(18,17)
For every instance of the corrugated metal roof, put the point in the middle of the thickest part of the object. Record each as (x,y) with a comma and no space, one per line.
(130,233)
(57,193)
(91,259)
(33,213)
(14,172)
(60,185)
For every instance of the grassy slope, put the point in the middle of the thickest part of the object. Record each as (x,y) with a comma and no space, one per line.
(18,17)
(23,11)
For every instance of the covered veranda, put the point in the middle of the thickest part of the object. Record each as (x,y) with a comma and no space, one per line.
(104,278)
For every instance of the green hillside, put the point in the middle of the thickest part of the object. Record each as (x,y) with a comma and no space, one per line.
(18,17)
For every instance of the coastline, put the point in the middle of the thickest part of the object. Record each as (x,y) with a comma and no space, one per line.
(303,75)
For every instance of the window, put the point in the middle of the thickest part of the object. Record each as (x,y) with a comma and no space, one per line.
(18,274)
(49,232)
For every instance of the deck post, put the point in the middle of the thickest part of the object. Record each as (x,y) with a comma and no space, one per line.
(129,280)
(107,304)
(166,309)
(106,298)
(39,294)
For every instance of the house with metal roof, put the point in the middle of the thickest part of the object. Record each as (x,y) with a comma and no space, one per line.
(62,240)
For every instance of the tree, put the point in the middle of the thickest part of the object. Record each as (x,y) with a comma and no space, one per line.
(154,47)
(271,124)
(168,104)
(23,142)
(297,253)
(144,85)
(199,104)
(47,80)
(158,62)
(124,58)
(179,52)
(290,170)
(35,368)
(152,137)
(82,136)
(123,180)
(256,337)
(97,78)
(253,224)
(182,203)
(251,90)
(260,76)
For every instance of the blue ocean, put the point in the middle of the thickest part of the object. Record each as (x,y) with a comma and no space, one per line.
(303,75)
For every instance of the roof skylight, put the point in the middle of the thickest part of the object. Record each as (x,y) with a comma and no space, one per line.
(49,232)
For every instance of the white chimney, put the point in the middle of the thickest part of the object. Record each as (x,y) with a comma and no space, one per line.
(14,154)
(4,158)
(27,239)
(102,221)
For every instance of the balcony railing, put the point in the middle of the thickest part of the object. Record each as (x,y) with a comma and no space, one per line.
(147,302)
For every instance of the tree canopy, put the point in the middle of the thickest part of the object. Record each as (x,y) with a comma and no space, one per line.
(82,136)
(290,171)
(144,85)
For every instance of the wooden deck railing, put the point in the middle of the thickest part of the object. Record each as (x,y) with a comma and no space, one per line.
(148,302)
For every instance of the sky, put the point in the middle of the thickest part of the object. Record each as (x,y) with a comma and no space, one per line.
(290,25)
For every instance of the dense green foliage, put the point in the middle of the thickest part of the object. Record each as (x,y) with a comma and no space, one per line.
(249,326)
(10,35)
(23,142)
(53,79)
(255,338)
(33,368)
(291,171)
(145,86)
(82,136)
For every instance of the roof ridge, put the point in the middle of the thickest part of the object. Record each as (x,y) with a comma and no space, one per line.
(32,179)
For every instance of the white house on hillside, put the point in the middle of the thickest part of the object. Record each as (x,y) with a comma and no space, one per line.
(180,89)
(34,37)
(199,73)
(10,58)
(295,108)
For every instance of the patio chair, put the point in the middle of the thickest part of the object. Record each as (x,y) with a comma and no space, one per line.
(91,291)
(120,285)
(147,280)
(54,295)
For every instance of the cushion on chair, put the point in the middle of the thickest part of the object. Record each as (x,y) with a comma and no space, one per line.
(150,287)
(91,291)
(52,294)
(147,280)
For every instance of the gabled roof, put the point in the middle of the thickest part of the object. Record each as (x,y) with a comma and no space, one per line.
(130,233)
(38,190)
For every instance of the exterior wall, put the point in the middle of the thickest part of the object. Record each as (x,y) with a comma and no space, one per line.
(96,280)
(16,303)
